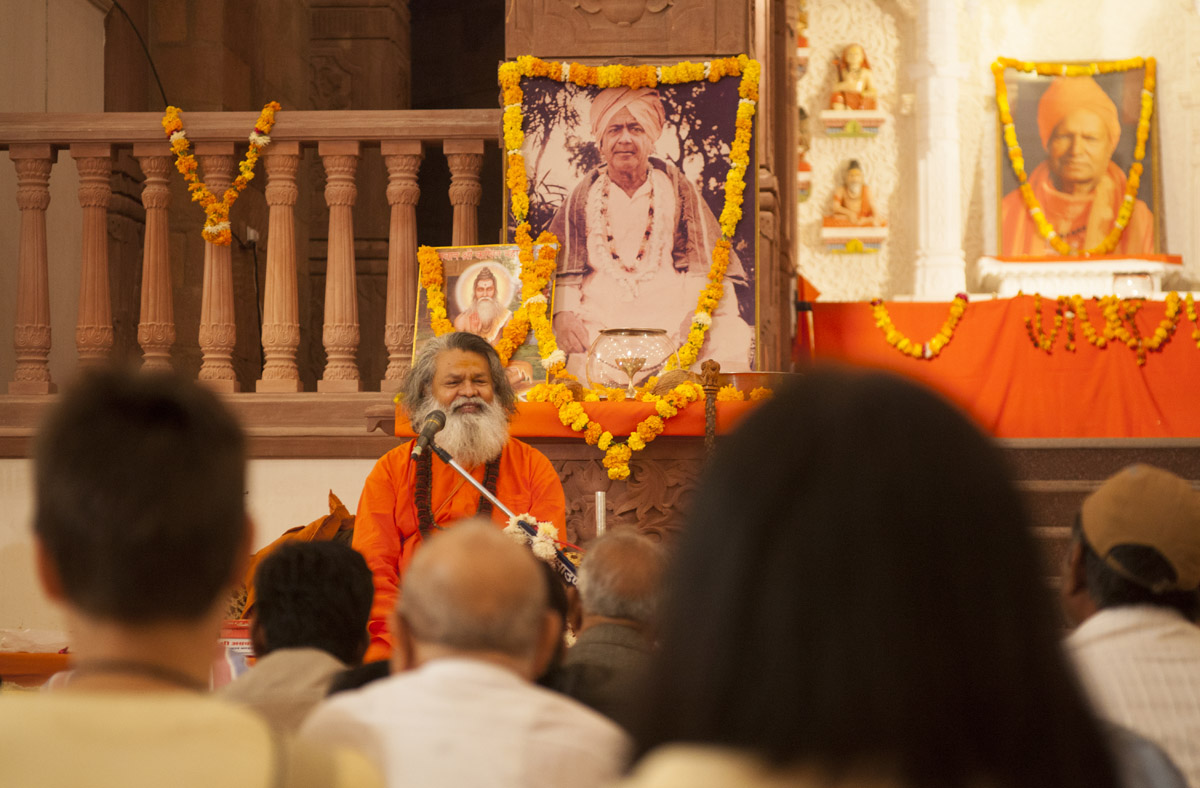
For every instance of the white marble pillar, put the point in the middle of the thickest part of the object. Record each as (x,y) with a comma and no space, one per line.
(940,264)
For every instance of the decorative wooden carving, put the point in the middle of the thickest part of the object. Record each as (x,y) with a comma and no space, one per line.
(466,160)
(156,324)
(627,28)
(281,308)
(710,376)
(94,330)
(403,158)
(218,330)
(31,334)
(341,294)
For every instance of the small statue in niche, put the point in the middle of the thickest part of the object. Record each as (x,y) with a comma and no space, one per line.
(854,89)
(852,201)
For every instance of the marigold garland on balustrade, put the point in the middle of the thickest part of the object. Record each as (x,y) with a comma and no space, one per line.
(216,223)
(920,350)
(1120,324)
(1017,160)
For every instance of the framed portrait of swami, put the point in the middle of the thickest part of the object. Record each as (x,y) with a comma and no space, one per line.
(1077,135)
(632,181)
(483,290)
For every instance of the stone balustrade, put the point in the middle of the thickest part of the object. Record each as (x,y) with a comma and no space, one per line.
(34,142)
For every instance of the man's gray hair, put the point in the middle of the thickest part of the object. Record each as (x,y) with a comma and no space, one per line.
(621,576)
(479,597)
(420,376)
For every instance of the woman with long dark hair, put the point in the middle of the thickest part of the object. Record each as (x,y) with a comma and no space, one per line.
(857,599)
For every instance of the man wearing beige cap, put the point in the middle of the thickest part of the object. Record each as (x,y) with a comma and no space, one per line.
(1130,584)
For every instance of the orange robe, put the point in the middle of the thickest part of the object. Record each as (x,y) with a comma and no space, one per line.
(1082,221)
(385,525)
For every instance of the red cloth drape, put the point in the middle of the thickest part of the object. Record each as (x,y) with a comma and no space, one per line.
(1015,390)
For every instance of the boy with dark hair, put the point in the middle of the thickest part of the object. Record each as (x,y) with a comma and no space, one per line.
(309,624)
(140,531)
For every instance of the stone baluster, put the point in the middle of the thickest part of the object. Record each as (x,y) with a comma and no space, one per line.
(466,160)
(218,329)
(403,158)
(340,334)
(156,324)
(94,329)
(31,334)
(281,311)
(940,264)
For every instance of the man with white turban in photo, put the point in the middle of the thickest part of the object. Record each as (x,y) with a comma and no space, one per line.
(636,242)
(1078,186)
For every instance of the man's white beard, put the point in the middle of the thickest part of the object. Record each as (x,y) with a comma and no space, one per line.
(488,310)
(471,438)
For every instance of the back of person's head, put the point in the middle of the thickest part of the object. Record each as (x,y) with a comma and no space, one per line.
(313,595)
(473,589)
(140,485)
(621,577)
(856,586)
(1140,533)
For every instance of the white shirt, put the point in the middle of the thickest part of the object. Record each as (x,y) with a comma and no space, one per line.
(466,722)
(1141,666)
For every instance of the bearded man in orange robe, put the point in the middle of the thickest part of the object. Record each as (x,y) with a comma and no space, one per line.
(406,501)
(1079,187)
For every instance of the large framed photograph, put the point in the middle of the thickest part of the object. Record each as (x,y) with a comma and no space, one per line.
(483,290)
(632,183)
(1078,135)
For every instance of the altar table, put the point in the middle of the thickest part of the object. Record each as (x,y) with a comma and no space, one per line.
(1015,390)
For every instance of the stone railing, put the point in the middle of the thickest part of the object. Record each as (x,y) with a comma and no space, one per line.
(34,142)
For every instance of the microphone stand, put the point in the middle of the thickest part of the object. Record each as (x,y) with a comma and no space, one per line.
(563,565)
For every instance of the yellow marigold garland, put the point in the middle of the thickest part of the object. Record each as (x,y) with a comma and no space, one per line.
(919,350)
(1119,323)
(616,453)
(1191,313)
(216,211)
(1016,158)
(510,75)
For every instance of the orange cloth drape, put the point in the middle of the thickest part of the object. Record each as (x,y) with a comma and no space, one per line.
(1015,390)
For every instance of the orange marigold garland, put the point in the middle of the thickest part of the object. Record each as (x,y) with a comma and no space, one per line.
(1120,324)
(216,211)
(920,350)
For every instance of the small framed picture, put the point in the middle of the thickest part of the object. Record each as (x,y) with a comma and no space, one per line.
(483,290)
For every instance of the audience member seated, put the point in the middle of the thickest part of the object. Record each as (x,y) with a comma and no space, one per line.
(308,625)
(140,533)
(1131,585)
(857,599)
(556,598)
(472,630)
(612,612)
(360,676)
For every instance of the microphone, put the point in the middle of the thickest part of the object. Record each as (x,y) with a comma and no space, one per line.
(433,425)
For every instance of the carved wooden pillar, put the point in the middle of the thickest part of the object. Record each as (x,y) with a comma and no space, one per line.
(94,330)
(218,329)
(941,265)
(31,334)
(341,290)
(281,311)
(403,159)
(466,160)
(156,323)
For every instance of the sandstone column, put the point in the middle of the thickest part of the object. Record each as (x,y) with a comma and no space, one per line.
(403,159)
(156,323)
(94,329)
(340,331)
(218,330)
(281,311)
(466,160)
(31,334)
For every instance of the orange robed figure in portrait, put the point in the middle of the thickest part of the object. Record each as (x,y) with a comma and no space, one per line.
(1078,185)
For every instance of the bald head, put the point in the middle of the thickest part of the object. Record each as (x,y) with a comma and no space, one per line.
(473,589)
(621,576)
